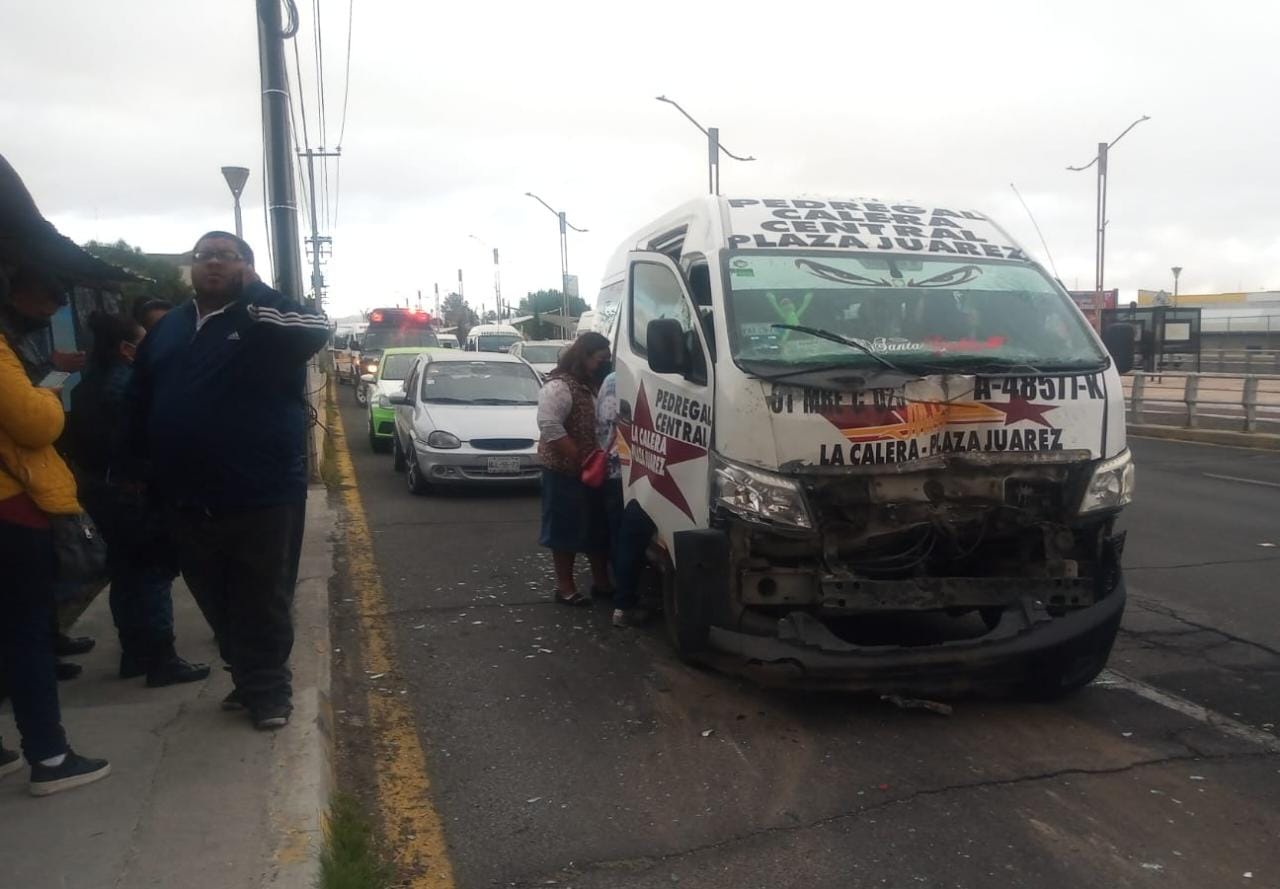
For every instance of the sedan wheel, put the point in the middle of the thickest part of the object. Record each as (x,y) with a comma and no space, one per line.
(417,485)
(397,453)
(362,394)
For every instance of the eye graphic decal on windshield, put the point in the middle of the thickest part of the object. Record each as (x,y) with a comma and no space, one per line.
(950,278)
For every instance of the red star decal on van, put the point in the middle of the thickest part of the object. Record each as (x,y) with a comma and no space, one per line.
(653,454)
(1018,408)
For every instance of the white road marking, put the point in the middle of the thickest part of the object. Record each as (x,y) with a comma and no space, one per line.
(1236,478)
(1225,724)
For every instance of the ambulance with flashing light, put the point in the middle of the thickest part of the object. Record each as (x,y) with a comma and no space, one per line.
(879,446)
(391,328)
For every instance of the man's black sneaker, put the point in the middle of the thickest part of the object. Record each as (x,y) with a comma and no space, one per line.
(173,671)
(10,761)
(67,646)
(75,771)
(267,717)
(233,701)
(65,670)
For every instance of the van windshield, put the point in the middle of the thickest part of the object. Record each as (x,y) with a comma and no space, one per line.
(929,314)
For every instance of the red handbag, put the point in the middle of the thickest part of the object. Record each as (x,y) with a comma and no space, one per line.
(595,468)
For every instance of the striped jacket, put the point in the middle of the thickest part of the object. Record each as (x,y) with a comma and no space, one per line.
(217,414)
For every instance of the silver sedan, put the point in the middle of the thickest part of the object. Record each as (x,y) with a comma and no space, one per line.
(466,417)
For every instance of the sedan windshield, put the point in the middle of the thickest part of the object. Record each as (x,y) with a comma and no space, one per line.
(535,354)
(396,367)
(479,382)
(926,314)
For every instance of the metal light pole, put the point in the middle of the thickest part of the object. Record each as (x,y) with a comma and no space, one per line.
(236,178)
(565,224)
(714,148)
(1177,271)
(1100,235)
(497,276)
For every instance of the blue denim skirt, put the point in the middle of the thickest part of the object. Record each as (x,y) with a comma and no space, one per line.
(573,515)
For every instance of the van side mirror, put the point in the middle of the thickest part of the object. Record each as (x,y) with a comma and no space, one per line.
(1118,338)
(665,343)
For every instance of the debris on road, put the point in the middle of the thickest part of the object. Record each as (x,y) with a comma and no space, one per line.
(918,704)
(708,733)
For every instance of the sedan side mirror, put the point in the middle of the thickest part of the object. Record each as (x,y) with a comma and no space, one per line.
(665,343)
(368,378)
(1118,338)
(401,398)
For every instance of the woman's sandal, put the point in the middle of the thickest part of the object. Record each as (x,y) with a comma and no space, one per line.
(574,600)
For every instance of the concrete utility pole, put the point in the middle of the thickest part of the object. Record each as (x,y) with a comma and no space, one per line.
(236,178)
(282,207)
(315,242)
(1100,235)
(1177,272)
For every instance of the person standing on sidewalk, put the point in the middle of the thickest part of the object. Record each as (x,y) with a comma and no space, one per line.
(140,559)
(219,419)
(34,484)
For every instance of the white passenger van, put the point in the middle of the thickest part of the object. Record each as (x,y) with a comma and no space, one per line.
(879,446)
(492,338)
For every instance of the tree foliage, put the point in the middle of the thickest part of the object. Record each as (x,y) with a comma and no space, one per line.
(458,313)
(549,302)
(165,279)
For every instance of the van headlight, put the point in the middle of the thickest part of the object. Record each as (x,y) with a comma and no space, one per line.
(443,440)
(1111,485)
(759,496)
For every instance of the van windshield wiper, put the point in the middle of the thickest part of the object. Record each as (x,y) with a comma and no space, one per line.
(837,338)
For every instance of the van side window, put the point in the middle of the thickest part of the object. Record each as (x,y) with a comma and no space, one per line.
(655,294)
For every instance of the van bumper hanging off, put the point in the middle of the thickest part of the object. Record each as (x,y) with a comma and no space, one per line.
(1026,646)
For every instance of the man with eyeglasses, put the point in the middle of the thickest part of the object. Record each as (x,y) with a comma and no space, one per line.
(218,429)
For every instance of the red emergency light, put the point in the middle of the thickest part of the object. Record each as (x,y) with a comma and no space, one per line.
(376,317)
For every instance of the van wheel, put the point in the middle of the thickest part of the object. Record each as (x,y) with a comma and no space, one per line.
(417,484)
(398,461)
(686,630)
(1072,667)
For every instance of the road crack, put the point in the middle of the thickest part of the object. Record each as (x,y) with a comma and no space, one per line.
(1165,611)
(644,863)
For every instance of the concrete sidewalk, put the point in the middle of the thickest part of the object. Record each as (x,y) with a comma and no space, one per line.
(197,798)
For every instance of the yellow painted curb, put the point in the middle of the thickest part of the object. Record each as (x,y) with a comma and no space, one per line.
(413,827)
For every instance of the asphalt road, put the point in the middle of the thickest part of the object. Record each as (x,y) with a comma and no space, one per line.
(564,752)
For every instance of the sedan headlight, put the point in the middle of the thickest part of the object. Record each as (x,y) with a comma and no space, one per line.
(1111,485)
(439,439)
(759,496)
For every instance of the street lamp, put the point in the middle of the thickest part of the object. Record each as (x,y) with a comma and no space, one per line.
(714,148)
(236,178)
(564,254)
(1177,271)
(497,276)
(1101,235)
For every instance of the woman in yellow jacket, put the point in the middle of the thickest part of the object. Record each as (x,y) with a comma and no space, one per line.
(34,484)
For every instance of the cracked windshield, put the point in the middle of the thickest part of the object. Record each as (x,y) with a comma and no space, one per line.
(579,445)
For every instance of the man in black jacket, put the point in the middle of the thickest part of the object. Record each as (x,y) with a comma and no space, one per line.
(219,421)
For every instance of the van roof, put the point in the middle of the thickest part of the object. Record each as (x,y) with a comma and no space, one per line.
(818,222)
(493,328)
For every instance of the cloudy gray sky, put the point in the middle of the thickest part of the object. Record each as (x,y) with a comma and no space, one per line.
(118,116)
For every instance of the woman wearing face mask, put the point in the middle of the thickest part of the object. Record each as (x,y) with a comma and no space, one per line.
(572,513)
(140,560)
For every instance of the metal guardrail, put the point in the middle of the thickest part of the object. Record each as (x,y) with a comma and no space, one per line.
(1239,361)
(1247,400)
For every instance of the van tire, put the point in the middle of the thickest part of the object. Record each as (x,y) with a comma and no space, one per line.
(1073,667)
(686,629)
